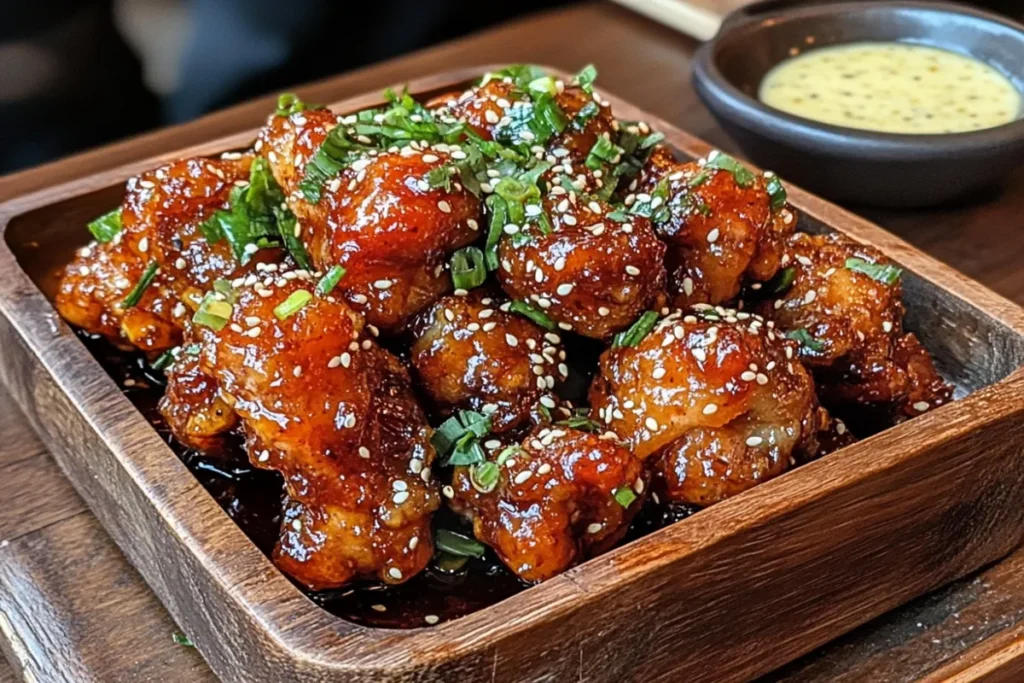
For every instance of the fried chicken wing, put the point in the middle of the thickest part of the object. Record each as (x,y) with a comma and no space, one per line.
(722,225)
(470,352)
(196,412)
(592,274)
(844,300)
(385,217)
(335,415)
(714,397)
(562,496)
(160,218)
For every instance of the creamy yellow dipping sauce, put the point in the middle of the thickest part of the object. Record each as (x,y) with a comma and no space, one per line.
(892,88)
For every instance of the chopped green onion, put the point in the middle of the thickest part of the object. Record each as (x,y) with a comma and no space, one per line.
(449,563)
(776,192)
(498,208)
(698,179)
(651,140)
(295,302)
(658,214)
(286,223)
(335,153)
(440,177)
(484,476)
(603,152)
(468,268)
(886,273)
(514,449)
(743,176)
(329,281)
(182,640)
(213,312)
(457,438)
(624,496)
(782,281)
(288,103)
(637,331)
(164,360)
(586,112)
(535,314)
(224,287)
(533,123)
(140,287)
(457,544)
(467,451)
(544,84)
(106,227)
(586,77)
(582,422)
(804,337)
(521,74)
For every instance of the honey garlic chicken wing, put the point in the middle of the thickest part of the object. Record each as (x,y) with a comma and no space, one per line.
(335,415)
(155,233)
(591,274)
(843,301)
(714,397)
(724,224)
(563,496)
(390,218)
(471,352)
(195,411)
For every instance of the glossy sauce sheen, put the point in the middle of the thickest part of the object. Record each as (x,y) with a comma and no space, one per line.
(892,88)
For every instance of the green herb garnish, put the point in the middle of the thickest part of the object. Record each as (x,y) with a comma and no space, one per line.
(139,289)
(804,337)
(776,192)
(106,227)
(581,421)
(535,314)
(743,176)
(164,360)
(637,331)
(213,312)
(289,103)
(886,273)
(484,476)
(182,640)
(782,281)
(330,280)
(457,439)
(295,302)
(586,77)
(468,268)
(456,544)
(624,496)
(603,152)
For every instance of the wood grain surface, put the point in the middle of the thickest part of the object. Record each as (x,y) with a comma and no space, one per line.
(646,63)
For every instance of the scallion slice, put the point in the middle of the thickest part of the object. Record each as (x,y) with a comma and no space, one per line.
(213,312)
(637,331)
(886,273)
(330,280)
(498,208)
(603,152)
(106,227)
(776,192)
(743,176)
(484,476)
(456,439)
(535,314)
(164,360)
(295,302)
(457,544)
(582,422)
(139,289)
(288,103)
(782,281)
(624,496)
(586,77)
(469,269)
(804,337)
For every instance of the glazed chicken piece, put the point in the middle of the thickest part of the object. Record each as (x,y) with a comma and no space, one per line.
(335,415)
(160,219)
(562,496)
(489,108)
(714,398)
(843,300)
(722,226)
(471,352)
(592,274)
(193,407)
(382,218)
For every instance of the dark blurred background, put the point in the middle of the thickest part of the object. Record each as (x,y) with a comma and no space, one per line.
(78,73)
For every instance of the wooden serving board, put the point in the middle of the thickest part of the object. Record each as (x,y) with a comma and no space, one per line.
(731,592)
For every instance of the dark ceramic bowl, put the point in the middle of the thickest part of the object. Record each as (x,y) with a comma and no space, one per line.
(882,169)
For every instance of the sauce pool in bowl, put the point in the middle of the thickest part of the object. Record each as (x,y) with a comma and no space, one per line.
(892,87)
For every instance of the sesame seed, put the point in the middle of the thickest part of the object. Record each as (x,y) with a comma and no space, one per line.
(400,497)
(603,311)
(383,284)
(651,424)
(564,289)
(699,354)
(710,409)
(334,362)
(748,376)
(364,452)
(632,270)
(762,379)
(448,491)
(297,524)
(491,116)
(754,441)
(523,476)
(399,485)
(594,528)
(264,456)
(713,236)
(887,326)
(346,359)
(444,206)
(395,573)
(431,619)
(921,406)
(810,296)
(511,340)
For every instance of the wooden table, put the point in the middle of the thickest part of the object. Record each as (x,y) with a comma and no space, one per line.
(71,608)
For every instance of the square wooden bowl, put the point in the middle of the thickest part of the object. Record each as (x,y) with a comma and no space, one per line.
(731,592)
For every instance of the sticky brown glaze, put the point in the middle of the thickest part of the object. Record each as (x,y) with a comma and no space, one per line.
(379,218)
(197,414)
(719,233)
(592,275)
(554,502)
(860,353)
(469,353)
(335,415)
(485,109)
(715,397)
